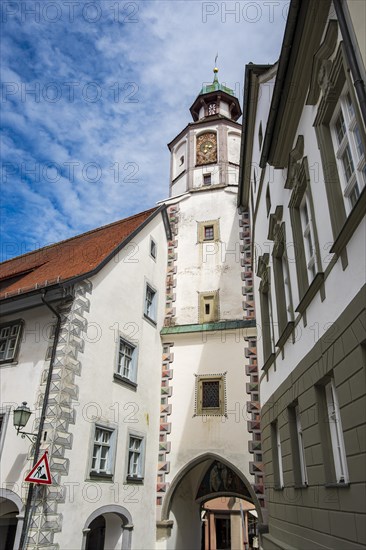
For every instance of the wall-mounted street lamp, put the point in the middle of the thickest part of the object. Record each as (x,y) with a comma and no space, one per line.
(21,416)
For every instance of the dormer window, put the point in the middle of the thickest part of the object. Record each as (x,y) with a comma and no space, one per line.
(212,109)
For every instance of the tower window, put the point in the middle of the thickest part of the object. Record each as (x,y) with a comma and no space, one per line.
(181,160)
(212,109)
(206,179)
(209,233)
(208,307)
(210,395)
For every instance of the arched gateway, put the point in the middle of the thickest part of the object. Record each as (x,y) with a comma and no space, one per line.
(202,480)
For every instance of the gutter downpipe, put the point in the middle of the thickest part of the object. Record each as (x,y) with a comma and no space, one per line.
(352,59)
(28,506)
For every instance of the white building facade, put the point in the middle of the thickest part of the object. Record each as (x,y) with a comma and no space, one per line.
(303,177)
(99,368)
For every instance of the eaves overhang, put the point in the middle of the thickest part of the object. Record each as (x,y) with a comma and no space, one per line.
(26,298)
(304,28)
(251,87)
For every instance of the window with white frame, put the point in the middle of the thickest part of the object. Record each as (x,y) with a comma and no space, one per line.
(136,457)
(336,433)
(103,452)
(300,442)
(308,235)
(277,456)
(10,334)
(349,149)
(127,360)
(297,446)
(150,303)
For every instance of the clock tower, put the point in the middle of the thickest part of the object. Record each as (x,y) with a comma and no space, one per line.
(206,152)
(209,333)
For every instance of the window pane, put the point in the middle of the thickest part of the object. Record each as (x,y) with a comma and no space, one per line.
(340,128)
(347,163)
(211,394)
(209,233)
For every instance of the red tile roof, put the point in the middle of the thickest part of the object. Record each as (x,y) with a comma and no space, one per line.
(67,259)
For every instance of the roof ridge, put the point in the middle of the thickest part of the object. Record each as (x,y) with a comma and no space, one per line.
(96,229)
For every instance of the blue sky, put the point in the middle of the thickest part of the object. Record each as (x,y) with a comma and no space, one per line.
(93,91)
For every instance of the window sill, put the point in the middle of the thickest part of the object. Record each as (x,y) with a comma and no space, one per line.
(269,362)
(101,475)
(350,224)
(285,334)
(337,485)
(124,381)
(279,487)
(301,486)
(310,293)
(135,480)
(8,363)
(150,320)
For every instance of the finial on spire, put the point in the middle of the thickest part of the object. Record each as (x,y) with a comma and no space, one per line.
(216,70)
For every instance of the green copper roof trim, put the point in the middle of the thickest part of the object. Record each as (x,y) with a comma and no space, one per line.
(215,87)
(223,325)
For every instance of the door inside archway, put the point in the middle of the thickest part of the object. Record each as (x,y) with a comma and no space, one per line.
(96,536)
(8,524)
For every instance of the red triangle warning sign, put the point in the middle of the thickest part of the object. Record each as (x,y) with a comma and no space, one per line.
(40,473)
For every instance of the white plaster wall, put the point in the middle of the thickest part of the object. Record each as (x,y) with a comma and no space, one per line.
(224,109)
(212,169)
(20,382)
(234,147)
(117,303)
(192,436)
(208,266)
(179,186)
(180,150)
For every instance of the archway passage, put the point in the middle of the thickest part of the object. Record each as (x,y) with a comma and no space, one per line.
(8,524)
(108,528)
(205,480)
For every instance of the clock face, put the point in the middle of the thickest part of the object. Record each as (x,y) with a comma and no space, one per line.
(206,148)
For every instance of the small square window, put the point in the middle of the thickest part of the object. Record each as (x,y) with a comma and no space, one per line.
(153,249)
(208,307)
(102,462)
(206,179)
(210,395)
(136,457)
(150,303)
(9,341)
(209,233)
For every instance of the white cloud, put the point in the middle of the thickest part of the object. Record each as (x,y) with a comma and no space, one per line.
(112,93)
